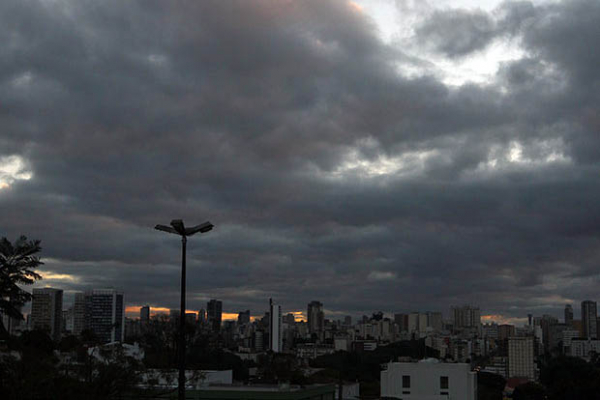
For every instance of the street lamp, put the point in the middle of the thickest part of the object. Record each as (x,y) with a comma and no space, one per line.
(178,228)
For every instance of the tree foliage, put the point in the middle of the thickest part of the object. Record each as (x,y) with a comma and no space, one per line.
(570,378)
(530,391)
(18,262)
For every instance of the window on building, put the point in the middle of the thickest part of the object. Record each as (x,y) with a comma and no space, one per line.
(443,382)
(406,381)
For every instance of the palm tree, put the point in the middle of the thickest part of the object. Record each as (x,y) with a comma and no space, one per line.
(17,264)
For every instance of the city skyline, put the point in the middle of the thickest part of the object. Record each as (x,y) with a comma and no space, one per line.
(133,312)
(370,155)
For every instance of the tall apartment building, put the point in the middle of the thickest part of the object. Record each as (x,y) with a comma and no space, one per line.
(435,320)
(105,314)
(466,317)
(402,321)
(315,317)
(78,313)
(568,314)
(214,311)
(505,331)
(520,358)
(275,334)
(589,319)
(46,311)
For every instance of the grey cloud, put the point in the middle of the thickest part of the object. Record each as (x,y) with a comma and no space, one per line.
(131,114)
(457,33)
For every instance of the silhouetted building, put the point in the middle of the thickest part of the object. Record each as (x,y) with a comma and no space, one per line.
(174,315)
(190,318)
(145,314)
(589,317)
(435,320)
(289,319)
(466,317)
(275,337)
(105,314)
(78,313)
(506,331)
(315,317)
(568,314)
(243,317)
(46,311)
(214,309)
(402,321)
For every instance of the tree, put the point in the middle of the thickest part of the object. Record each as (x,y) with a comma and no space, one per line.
(17,264)
(570,378)
(530,391)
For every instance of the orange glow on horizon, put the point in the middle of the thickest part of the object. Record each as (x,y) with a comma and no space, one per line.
(501,319)
(153,310)
(229,316)
(298,316)
(225,316)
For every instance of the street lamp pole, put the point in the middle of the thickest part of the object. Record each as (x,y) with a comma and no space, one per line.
(177,227)
(181,387)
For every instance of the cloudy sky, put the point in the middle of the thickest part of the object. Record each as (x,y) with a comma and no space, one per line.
(373,155)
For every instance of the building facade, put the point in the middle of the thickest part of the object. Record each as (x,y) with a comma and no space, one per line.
(568,314)
(589,317)
(78,313)
(214,310)
(275,337)
(46,311)
(466,317)
(583,348)
(315,317)
(243,317)
(427,380)
(521,362)
(105,314)
(145,314)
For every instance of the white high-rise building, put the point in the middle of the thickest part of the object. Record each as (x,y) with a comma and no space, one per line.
(275,337)
(105,314)
(46,311)
(520,358)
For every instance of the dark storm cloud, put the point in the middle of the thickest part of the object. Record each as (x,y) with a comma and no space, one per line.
(328,175)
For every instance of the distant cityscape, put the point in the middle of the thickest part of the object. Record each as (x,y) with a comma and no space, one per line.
(461,338)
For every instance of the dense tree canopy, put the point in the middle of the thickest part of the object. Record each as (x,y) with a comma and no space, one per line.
(17,264)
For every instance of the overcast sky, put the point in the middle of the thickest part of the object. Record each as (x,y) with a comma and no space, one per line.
(373,155)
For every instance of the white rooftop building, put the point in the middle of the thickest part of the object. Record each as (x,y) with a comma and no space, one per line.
(428,379)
